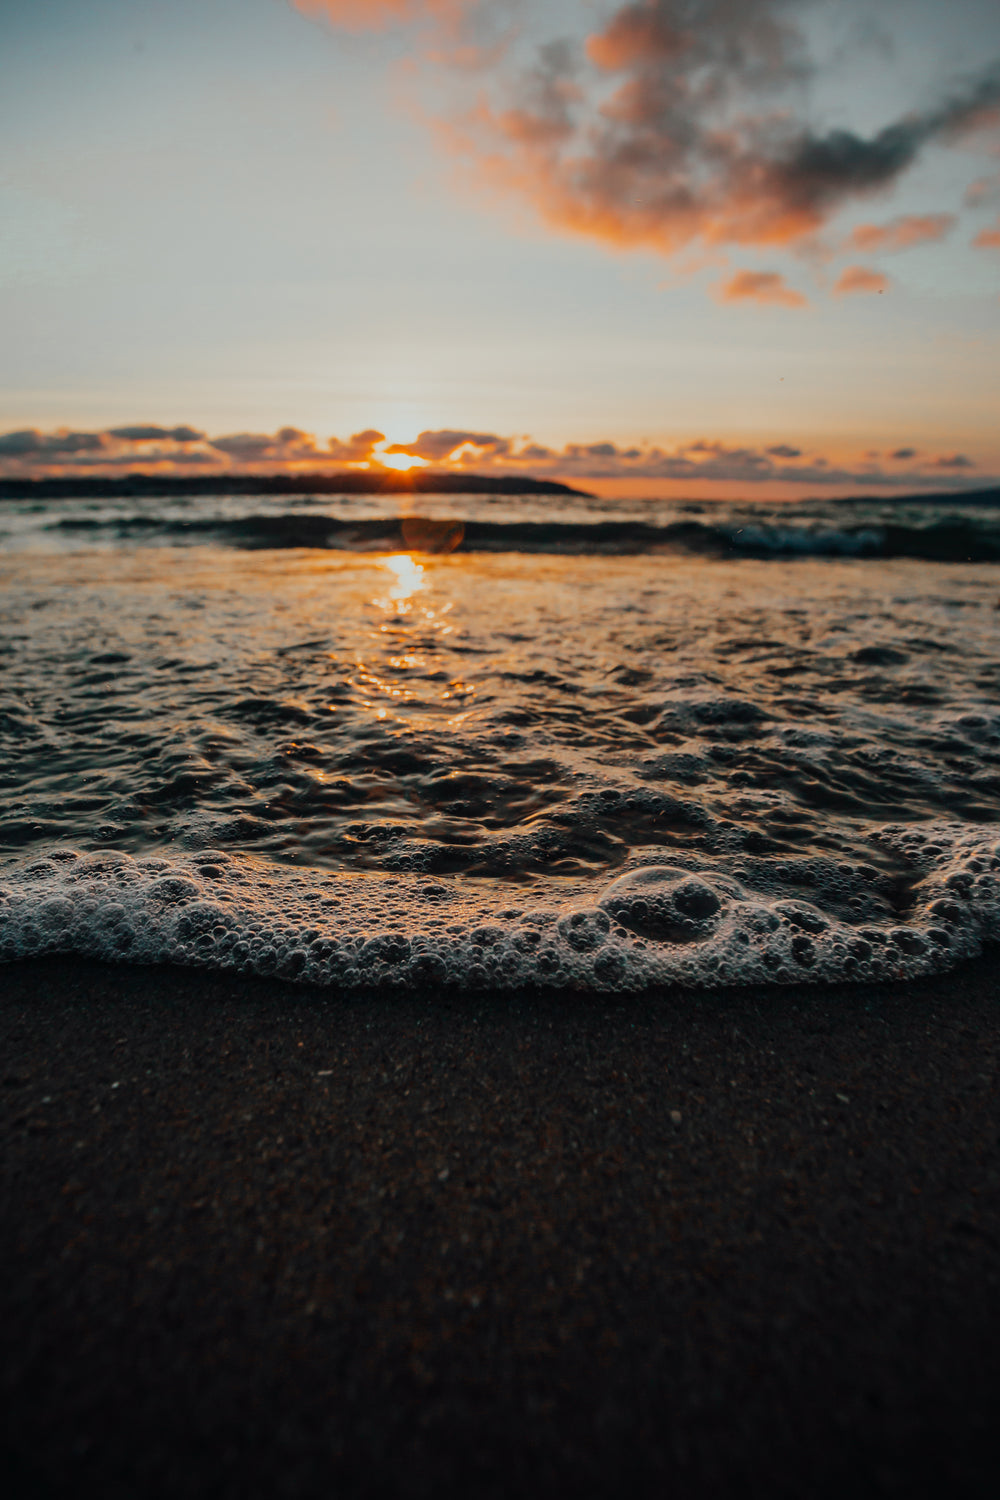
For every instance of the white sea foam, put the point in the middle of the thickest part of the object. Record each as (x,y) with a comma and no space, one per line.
(693,921)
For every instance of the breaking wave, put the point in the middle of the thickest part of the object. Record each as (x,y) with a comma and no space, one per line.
(945,539)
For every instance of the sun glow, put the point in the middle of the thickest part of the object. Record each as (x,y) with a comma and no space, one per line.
(400,461)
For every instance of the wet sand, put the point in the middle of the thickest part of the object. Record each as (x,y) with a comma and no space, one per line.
(260,1241)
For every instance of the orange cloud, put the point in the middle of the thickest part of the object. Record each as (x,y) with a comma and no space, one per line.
(677,121)
(638,33)
(860,279)
(367,15)
(760,286)
(902,233)
(988,239)
(360,448)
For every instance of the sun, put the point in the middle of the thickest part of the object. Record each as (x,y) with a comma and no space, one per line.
(399,461)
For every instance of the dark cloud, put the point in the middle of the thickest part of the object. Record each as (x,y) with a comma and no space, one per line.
(287,445)
(783,450)
(820,172)
(904,453)
(358,450)
(439,445)
(30,443)
(596,450)
(245,446)
(149,434)
(151,444)
(953,461)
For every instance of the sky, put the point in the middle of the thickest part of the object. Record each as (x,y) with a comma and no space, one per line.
(674,247)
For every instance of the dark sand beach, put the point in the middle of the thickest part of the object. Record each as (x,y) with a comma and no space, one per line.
(261,1241)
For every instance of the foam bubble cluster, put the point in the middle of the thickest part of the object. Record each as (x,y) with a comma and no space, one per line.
(690,921)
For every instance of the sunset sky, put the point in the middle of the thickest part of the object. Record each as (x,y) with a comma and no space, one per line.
(705,247)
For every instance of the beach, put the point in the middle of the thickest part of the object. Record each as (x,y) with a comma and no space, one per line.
(499,750)
(266,1240)
(429,1062)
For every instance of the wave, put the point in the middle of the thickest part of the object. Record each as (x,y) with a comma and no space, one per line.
(689,921)
(945,539)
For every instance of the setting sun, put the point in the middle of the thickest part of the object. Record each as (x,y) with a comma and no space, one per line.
(400,461)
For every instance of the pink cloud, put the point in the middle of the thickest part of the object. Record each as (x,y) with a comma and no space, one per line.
(368,15)
(760,286)
(988,239)
(860,279)
(901,233)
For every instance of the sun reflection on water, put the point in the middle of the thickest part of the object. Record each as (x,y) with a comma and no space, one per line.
(409,577)
(401,682)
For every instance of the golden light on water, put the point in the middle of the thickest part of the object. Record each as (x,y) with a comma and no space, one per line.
(408,576)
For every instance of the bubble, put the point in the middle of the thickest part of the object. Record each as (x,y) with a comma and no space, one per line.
(907,940)
(665,903)
(698,920)
(807,918)
(803,950)
(609,968)
(390,948)
(200,919)
(585,930)
(57,913)
(172,890)
(486,937)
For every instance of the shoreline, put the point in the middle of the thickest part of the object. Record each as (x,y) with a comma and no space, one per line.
(260,1239)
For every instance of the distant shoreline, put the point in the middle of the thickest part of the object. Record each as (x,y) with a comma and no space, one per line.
(423,482)
(356,483)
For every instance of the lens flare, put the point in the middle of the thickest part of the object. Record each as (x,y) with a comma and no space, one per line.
(423,535)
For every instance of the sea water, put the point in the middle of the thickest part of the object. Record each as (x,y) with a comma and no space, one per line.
(594,747)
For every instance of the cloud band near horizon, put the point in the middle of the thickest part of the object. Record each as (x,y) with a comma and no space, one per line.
(149,448)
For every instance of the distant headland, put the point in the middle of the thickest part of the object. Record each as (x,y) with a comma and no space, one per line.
(420,482)
(377,482)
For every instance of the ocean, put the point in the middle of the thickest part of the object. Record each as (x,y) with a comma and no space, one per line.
(489,742)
